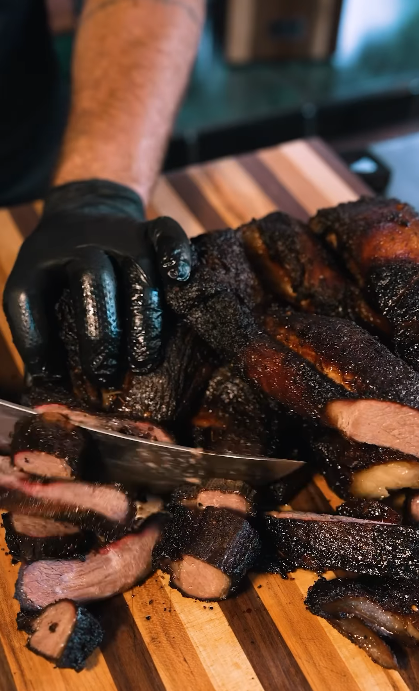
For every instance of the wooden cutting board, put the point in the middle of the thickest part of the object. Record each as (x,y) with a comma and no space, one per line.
(264,639)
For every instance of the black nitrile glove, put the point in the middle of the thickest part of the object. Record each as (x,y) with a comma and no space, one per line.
(92,237)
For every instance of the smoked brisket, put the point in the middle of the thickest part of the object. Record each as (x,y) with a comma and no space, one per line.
(101,574)
(295,266)
(64,634)
(373,613)
(320,542)
(30,538)
(208,552)
(378,240)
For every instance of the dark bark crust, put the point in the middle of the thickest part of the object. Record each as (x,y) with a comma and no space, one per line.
(378,241)
(369,509)
(217,305)
(27,548)
(85,637)
(53,435)
(234,418)
(218,537)
(339,459)
(364,547)
(296,266)
(167,394)
(349,354)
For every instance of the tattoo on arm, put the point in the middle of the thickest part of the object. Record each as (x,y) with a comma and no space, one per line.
(191,12)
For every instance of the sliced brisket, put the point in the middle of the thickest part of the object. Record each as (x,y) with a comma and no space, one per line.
(221,493)
(49,445)
(112,569)
(65,634)
(103,508)
(30,538)
(207,552)
(378,239)
(387,410)
(371,612)
(295,265)
(319,542)
(362,470)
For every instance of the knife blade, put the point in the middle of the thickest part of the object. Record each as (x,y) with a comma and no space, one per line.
(160,467)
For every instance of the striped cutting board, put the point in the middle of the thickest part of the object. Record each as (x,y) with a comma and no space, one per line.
(264,639)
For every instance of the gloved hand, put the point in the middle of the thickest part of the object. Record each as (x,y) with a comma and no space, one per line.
(92,237)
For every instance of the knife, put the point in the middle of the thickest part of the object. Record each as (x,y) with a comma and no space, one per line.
(160,467)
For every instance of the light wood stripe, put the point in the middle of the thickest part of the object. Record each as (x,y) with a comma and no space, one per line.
(31,672)
(313,189)
(339,166)
(166,202)
(303,634)
(231,191)
(321,175)
(169,644)
(218,649)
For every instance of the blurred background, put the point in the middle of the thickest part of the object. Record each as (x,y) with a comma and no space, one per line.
(273,70)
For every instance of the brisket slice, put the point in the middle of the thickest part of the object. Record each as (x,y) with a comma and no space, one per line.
(295,266)
(387,412)
(112,569)
(30,538)
(143,429)
(224,494)
(49,445)
(378,239)
(369,509)
(218,313)
(64,634)
(234,418)
(207,552)
(362,470)
(103,508)
(371,612)
(320,542)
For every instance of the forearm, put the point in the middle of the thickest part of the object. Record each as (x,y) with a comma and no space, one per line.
(131,65)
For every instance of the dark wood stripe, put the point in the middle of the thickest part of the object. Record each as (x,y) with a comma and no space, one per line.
(126,654)
(263,644)
(410,671)
(7,683)
(196,201)
(340,167)
(272,187)
(25,217)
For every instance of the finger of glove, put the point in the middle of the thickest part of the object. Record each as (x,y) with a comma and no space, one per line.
(26,305)
(144,317)
(93,290)
(172,249)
